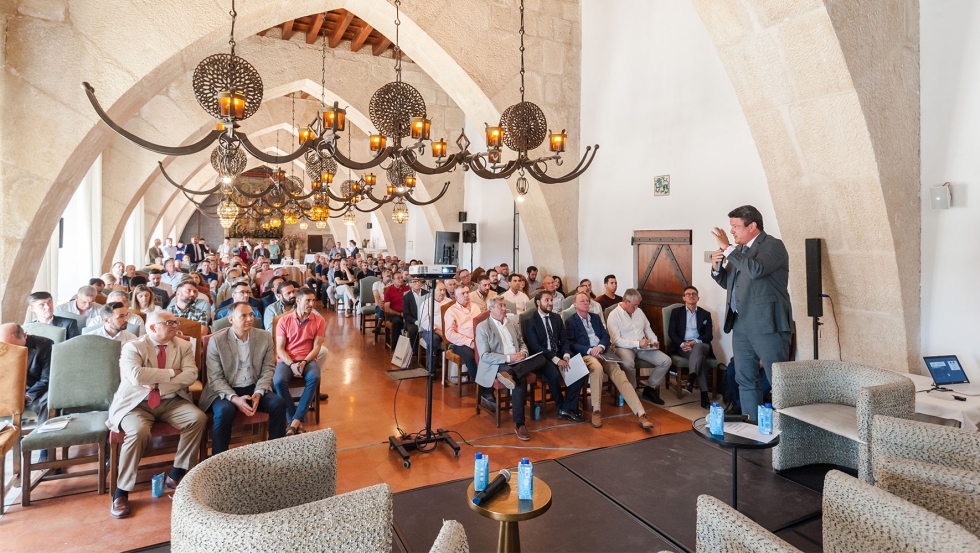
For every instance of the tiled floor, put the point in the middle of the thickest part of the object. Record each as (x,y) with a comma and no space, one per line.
(69,516)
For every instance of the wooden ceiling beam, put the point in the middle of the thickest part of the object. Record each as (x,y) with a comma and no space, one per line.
(287,29)
(381,46)
(340,29)
(360,37)
(314,31)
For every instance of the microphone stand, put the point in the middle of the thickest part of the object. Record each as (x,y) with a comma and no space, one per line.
(404,444)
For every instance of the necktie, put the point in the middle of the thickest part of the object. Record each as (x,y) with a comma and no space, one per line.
(742,250)
(154,398)
(551,335)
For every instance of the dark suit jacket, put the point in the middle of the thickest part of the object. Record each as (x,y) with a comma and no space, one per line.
(70,326)
(163,298)
(38,365)
(536,336)
(410,309)
(195,254)
(677,327)
(762,288)
(578,337)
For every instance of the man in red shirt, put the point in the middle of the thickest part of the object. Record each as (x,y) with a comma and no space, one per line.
(299,337)
(394,302)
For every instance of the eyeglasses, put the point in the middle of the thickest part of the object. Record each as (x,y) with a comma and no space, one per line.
(169,323)
(691,294)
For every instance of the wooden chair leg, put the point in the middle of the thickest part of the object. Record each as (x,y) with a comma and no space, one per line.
(102,468)
(3,482)
(497,400)
(25,479)
(477,400)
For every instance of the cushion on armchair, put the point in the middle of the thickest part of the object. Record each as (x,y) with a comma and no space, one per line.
(833,417)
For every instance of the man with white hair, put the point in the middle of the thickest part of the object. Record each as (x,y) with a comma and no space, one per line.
(115,317)
(155,372)
(83,304)
(632,337)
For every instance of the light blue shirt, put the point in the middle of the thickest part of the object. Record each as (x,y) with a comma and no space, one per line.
(593,339)
(691,330)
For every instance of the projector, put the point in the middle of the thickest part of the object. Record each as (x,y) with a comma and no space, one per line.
(433,271)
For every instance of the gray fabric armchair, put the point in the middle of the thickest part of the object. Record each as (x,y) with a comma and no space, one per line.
(451,539)
(278,496)
(934,467)
(721,529)
(824,411)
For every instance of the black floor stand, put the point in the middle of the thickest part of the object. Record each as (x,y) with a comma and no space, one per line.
(425,437)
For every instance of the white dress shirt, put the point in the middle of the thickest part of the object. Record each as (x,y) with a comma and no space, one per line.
(519,299)
(93,313)
(133,319)
(243,375)
(173,280)
(546,321)
(121,336)
(731,248)
(505,337)
(627,330)
(424,314)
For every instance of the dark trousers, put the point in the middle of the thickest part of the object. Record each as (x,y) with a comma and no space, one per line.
(39,406)
(284,375)
(764,386)
(552,374)
(412,330)
(468,356)
(519,393)
(697,357)
(750,348)
(397,324)
(224,414)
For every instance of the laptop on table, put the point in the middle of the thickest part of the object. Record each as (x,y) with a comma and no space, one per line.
(947,372)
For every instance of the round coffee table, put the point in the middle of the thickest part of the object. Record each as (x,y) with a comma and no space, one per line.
(505,507)
(700,427)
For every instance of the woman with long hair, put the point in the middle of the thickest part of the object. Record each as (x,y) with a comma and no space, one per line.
(144,300)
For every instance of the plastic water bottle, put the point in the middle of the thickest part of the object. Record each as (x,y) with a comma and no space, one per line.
(481,472)
(620,401)
(765,419)
(157,484)
(537,412)
(525,480)
(716,419)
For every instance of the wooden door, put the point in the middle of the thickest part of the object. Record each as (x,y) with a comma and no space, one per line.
(314,243)
(662,263)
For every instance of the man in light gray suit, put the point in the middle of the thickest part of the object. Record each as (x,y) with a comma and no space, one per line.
(155,372)
(755,271)
(499,342)
(241,364)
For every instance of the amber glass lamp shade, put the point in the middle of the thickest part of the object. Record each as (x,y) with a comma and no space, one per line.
(421,127)
(556,141)
(355,186)
(410,181)
(378,142)
(494,155)
(370,179)
(306,133)
(391,189)
(326,177)
(278,175)
(334,118)
(231,104)
(439,148)
(495,137)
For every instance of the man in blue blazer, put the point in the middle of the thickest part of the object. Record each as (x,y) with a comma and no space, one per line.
(545,334)
(587,336)
(755,272)
(689,332)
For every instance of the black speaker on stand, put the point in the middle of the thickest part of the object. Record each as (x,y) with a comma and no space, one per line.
(814,288)
(469,237)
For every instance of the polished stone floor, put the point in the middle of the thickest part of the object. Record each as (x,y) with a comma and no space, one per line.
(68,515)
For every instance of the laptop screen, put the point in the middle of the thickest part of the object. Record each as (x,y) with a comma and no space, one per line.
(946,369)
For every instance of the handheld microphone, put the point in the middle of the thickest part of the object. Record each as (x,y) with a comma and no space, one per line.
(498,483)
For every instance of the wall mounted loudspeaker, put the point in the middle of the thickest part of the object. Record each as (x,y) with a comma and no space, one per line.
(469,233)
(814,275)
(939,196)
(462,216)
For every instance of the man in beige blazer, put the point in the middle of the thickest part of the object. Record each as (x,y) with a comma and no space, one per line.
(155,372)
(241,364)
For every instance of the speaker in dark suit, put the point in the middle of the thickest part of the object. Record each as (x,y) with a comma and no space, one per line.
(544,333)
(755,273)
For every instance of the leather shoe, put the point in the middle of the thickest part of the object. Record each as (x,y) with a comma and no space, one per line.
(171,483)
(705,402)
(596,419)
(522,433)
(507,380)
(324,397)
(644,422)
(488,403)
(652,395)
(570,416)
(690,382)
(120,507)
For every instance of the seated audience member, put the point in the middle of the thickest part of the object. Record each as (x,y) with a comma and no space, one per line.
(98,284)
(115,318)
(184,304)
(463,278)
(588,287)
(515,295)
(241,366)
(690,333)
(127,277)
(450,288)
(144,300)
(458,330)
(38,368)
(500,344)
(268,296)
(435,342)
(344,282)
(286,301)
(156,371)
(588,337)
(532,280)
(545,334)
(83,304)
(171,275)
(550,283)
(162,290)
(609,298)
(117,270)
(41,304)
(299,337)
(240,292)
(394,306)
(632,337)
(411,304)
(559,286)
(504,271)
(594,306)
(482,293)
(378,289)
(496,283)
(206,272)
(132,318)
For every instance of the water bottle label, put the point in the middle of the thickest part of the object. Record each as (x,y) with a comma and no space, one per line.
(157,485)
(537,412)
(620,400)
